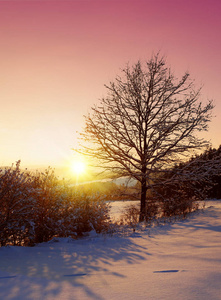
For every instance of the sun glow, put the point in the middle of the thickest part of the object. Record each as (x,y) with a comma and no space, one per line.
(78,167)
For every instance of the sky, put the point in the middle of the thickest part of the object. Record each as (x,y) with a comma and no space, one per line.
(56,57)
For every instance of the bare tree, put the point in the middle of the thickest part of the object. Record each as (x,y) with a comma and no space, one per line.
(147,122)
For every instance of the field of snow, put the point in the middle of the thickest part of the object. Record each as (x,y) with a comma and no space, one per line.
(177,261)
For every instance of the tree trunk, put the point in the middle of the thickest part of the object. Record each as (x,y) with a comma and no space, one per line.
(143,199)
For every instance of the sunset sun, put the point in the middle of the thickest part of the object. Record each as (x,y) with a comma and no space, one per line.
(78,167)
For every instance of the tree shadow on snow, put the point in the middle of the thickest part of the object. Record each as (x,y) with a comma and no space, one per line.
(47,269)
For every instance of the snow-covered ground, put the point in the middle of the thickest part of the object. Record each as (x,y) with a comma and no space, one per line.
(117,208)
(179,261)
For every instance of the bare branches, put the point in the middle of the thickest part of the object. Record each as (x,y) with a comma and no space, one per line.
(147,121)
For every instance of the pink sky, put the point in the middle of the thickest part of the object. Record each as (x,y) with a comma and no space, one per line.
(56,57)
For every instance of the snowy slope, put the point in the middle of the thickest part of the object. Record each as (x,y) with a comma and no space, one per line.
(179,261)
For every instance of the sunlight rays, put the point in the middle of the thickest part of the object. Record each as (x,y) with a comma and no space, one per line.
(78,167)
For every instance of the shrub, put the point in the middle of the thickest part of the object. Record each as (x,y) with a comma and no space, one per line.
(130,216)
(178,206)
(46,205)
(15,205)
(36,207)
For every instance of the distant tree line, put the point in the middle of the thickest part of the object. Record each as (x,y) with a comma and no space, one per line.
(196,186)
(214,187)
(179,189)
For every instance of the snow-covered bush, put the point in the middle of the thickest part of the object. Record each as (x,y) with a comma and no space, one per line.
(62,211)
(130,216)
(15,205)
(36,207)
(99,212)
(178,198)
(82,213)
(46,205)
(175,206)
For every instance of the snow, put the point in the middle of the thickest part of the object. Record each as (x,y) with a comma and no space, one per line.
(174,261)
(117,207)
